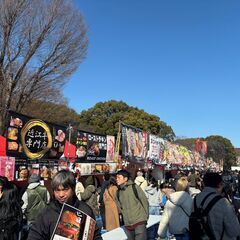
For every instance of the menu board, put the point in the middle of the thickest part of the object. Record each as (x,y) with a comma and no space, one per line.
(73,224)
(92,147)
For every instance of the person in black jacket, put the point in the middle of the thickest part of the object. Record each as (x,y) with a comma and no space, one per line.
(10,211)
(63,186)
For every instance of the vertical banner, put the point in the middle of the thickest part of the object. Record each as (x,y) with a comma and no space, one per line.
(156,148)
(110,148)
(204,147)
(117,147)
(7,167)
(198,145)
(134,143)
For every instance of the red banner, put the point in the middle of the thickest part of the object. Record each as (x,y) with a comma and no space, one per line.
(198,145)
(204,147)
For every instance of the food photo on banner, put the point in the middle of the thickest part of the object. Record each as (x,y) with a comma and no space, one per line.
(34,138)
(134,143)
(91,147)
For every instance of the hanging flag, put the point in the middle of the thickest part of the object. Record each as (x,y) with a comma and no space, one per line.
(198,145)
(204,147)
(117,145)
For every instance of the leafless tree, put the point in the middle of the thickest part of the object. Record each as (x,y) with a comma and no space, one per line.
(42,42)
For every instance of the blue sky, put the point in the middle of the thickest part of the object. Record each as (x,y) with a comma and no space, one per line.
(177,59)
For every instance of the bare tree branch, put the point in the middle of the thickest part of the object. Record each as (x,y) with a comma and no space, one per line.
(41,44)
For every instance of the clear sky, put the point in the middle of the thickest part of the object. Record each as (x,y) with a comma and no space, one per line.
(177,59)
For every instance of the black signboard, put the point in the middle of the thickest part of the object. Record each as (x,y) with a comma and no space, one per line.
(34,138)
(91,147)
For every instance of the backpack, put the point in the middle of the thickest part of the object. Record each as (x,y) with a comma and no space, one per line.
(199,228)
(136,196)
(134,191)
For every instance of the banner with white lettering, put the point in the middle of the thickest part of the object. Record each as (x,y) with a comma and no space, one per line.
(156,149)
(34,138)
(91,147)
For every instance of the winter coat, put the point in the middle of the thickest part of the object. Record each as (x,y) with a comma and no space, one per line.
(104,185)
(193,191)
(10,224)
(90,197)
(133,210)
(35,199)
(43,227)
(174,218)
(141,182)
(111,209)
(154,196)
(221,216)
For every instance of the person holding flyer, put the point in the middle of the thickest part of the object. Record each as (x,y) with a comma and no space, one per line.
(63,186)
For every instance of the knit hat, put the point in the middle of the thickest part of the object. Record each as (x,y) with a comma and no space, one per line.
(34,178)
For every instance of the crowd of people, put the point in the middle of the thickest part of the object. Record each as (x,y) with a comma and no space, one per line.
(121,200)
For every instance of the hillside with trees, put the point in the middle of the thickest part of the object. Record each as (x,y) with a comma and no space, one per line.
(104,118)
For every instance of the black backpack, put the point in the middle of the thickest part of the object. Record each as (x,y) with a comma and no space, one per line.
(198,221)
(136,196)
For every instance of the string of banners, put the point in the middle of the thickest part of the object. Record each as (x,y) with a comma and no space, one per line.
(138,145)
(29,138)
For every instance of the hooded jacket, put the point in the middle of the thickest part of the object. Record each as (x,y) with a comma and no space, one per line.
(132,209)
(174,218)
(43,227)
(154,196)
(141,182)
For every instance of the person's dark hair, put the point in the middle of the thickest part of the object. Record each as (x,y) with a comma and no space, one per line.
(10,208)
(3,181)
(106,176)
(154,182)
(212,179)
(165,185)
(124,173)
(64,178)
(112,181)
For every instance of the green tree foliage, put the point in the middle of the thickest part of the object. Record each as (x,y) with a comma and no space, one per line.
(104,118)
(220,148)
(55,113)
